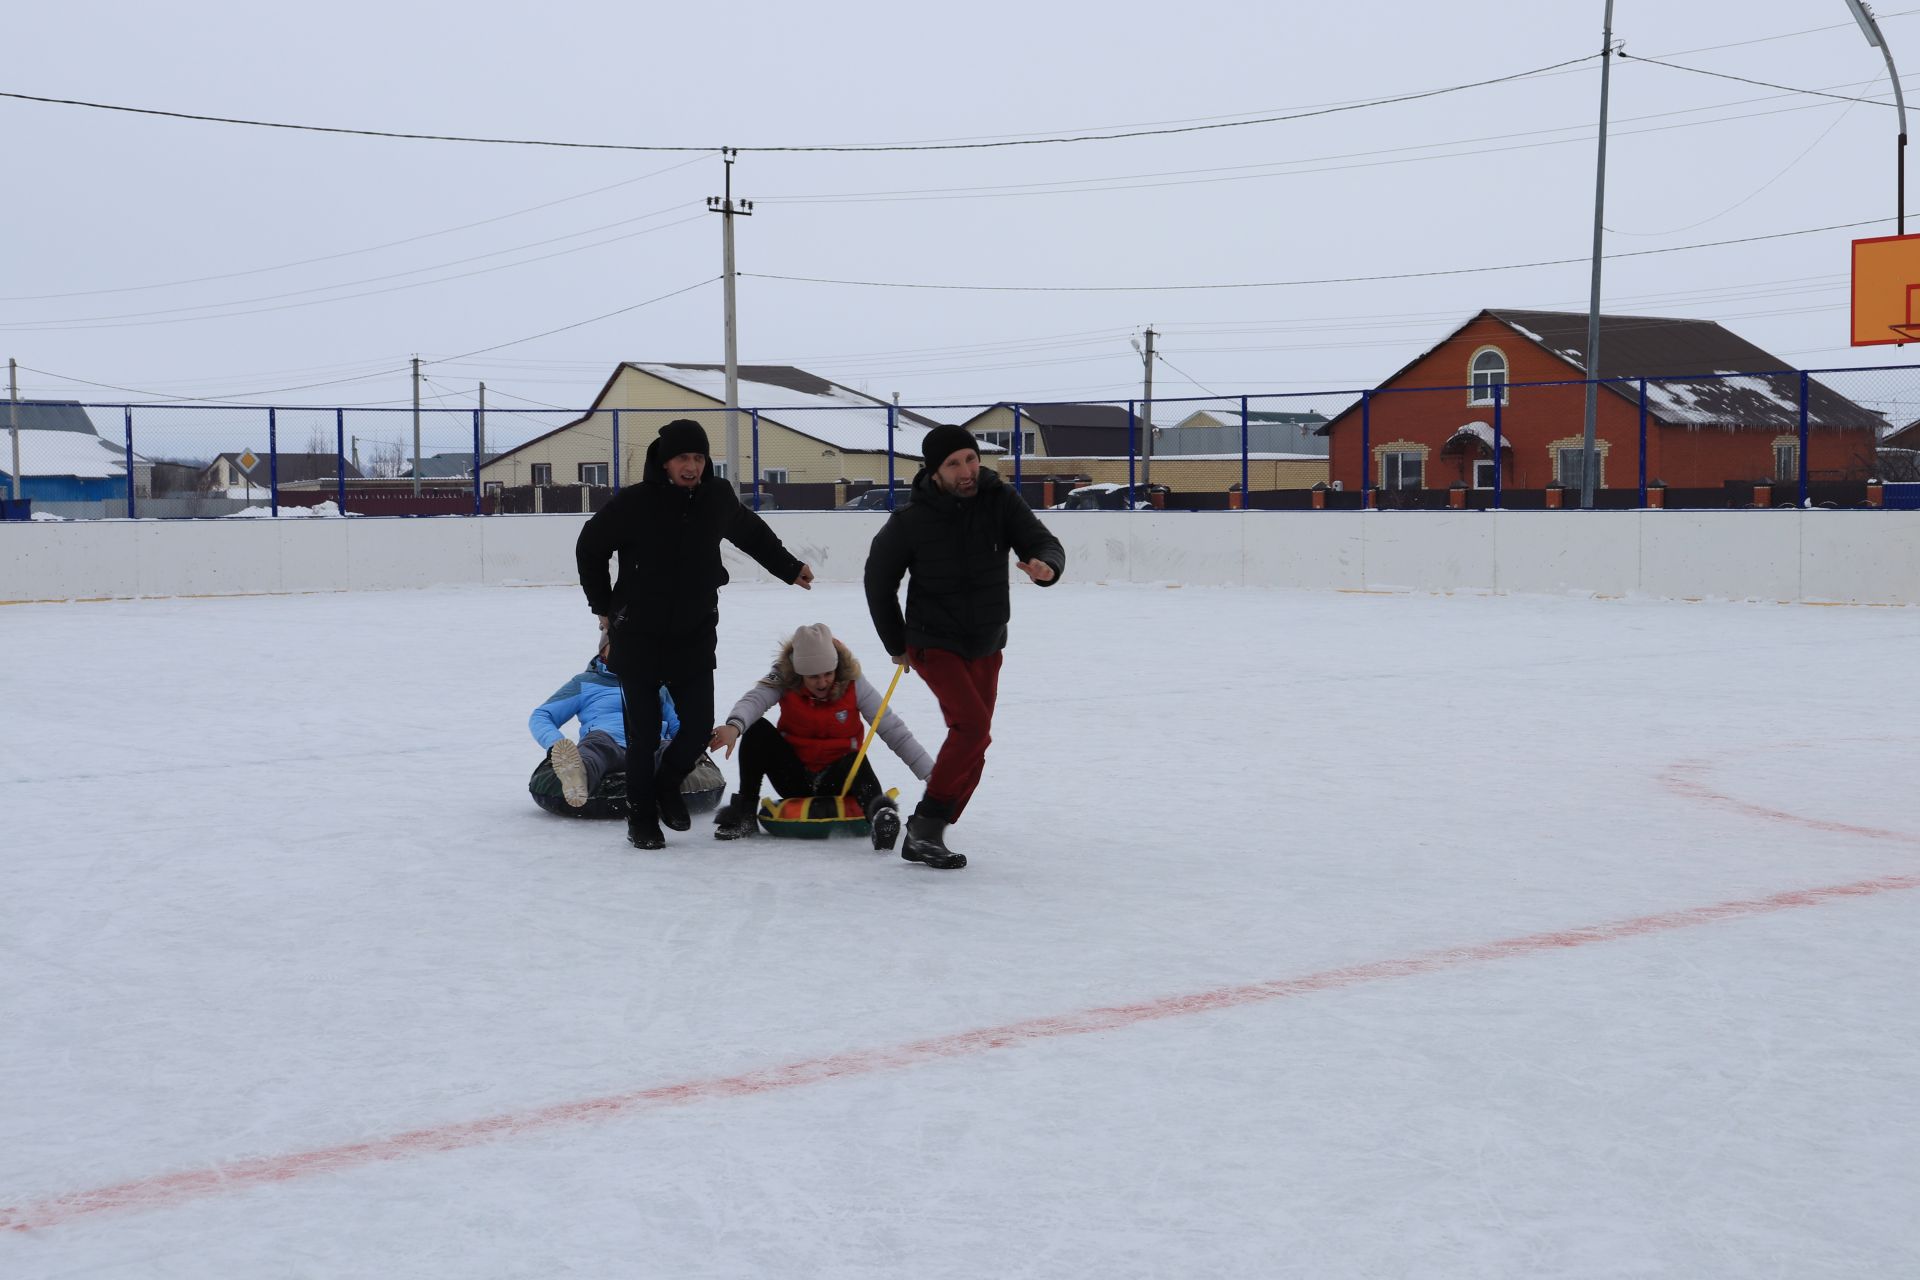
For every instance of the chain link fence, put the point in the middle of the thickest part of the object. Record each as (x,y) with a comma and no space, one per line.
(1822,438)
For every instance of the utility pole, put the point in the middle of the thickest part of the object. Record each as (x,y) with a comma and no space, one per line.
(13,424)
(728,208)
(1589,452)
(1146,450)
(483,422)
(416,426)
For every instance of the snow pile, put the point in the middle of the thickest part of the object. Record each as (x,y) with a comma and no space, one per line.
(323,510)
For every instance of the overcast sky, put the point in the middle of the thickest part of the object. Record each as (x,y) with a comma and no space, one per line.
(182,259)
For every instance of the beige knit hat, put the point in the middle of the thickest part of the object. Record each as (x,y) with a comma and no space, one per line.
(813,650)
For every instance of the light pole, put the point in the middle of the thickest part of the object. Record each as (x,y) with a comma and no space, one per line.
(1589,428)
(1871,29)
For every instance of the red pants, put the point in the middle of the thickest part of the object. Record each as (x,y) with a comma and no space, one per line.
(966,688)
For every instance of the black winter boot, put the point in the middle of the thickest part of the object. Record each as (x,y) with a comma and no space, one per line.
(643,832)
(884,820)
(673,805)
(737,818)
(926,843)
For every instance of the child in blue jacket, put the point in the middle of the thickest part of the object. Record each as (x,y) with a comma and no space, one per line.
(581,769)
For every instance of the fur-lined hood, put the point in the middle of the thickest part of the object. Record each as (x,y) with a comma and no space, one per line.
(844,674)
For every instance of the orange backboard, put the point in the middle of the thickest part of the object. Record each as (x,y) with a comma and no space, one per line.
(1886,290)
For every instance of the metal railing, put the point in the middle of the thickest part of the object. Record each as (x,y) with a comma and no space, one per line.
(1707,439)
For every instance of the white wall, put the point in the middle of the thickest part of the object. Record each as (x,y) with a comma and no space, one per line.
(1866,557)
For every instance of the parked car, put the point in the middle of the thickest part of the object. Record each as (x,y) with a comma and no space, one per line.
(767,502)
(876,499)
(1111,497)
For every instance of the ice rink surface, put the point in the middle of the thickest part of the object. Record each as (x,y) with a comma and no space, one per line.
(1307,935)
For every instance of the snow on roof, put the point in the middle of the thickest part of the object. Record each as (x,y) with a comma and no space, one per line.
(62,453)
(836,415)
(1481,432)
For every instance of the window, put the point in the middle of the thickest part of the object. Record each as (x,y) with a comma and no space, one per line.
(594,473)
(1400,470)
(774,475)
(1483,473)
(543,473)
(718,466)
(1489,367)
(492,488)
(1004,439)
(1786,462)
(1567,465)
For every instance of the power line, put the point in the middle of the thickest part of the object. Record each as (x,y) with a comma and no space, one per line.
(1291,168)
(348,253)
(1113,136)
(110,323)
(1287,284)
(243,398)
(1764,84)
(576,324)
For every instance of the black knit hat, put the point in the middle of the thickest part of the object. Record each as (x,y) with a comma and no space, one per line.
(682,435)
(945,440)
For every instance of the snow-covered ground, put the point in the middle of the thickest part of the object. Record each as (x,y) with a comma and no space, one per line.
(1307,935)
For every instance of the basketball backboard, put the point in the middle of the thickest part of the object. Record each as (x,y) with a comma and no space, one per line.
(1886,290)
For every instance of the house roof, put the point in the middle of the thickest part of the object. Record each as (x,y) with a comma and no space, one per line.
(1226,417)
(47,415)
(786,396)
(1698,354)
(1907,437)
(291,467)
(1072,430)
(445,466)
(803,402)
(62,452)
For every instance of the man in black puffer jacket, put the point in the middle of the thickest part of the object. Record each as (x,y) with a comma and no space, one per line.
(663,613)
(953,539)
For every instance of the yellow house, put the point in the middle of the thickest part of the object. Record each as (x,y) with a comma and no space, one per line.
(794,428)
(1092,441)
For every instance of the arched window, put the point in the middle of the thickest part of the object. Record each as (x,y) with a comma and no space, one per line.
(1489,367)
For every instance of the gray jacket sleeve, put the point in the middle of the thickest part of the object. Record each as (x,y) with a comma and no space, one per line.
(756,702)
(894,731)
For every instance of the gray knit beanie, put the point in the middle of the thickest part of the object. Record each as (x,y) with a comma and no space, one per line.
(813,650)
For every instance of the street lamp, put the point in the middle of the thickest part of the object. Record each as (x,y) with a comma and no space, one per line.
(1871,29)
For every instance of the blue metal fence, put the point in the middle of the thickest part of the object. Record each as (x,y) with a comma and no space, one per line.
(441,463)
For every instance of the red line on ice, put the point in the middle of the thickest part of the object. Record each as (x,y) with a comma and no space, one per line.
(170,1189)
(1686,778)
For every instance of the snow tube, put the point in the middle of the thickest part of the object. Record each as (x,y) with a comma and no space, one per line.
(817,817)
(702,790)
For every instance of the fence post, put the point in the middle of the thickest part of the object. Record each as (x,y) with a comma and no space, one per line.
(340,452)
(130,513)
(1245,483)
(1016,448)
(1643,442)
(1803,438)
(1130,445)
(613,474)
(893,425)
(273,461)
(476,462)
(1366,450)
(755,419)
(1499,402)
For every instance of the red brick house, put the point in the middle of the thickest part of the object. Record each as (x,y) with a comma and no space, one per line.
(1702,431)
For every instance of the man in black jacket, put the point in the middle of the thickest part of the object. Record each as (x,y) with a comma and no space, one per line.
(664,611)
(953,539)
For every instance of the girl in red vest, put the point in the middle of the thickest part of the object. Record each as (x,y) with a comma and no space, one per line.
(825,706)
